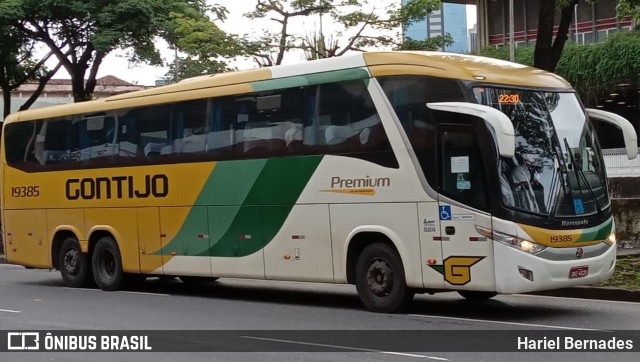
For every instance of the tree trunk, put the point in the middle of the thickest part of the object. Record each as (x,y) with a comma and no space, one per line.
(6,100)
(548,52)
(77,86)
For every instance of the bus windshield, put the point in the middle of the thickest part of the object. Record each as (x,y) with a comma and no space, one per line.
(557,169)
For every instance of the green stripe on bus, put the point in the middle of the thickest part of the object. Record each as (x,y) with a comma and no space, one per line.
(266,207)
(310,79)
(243,204)
(599,232)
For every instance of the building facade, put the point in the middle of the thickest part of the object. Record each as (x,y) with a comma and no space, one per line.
(59,91)
(450,18)
(592,22)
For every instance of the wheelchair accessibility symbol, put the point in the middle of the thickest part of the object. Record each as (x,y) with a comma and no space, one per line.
(445,212)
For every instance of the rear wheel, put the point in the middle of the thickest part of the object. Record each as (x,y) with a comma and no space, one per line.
(107,264)
(380,279)
(74,264)
(476,295)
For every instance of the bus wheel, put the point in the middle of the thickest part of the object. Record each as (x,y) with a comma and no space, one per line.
(190,280)
(380,279)
(74,264)
(107,264)
(476,296)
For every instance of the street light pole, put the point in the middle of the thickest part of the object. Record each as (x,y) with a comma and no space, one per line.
(512,47)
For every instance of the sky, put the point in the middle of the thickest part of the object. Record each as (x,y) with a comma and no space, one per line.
(116,64)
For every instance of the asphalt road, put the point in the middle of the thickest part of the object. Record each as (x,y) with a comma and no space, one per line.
(37,300)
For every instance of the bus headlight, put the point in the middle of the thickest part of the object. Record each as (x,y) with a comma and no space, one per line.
(513,241)
(611,239)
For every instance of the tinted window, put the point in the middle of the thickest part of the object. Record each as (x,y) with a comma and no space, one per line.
(335,118)
(269,124)
(342,120)
(19,142)
(409,96)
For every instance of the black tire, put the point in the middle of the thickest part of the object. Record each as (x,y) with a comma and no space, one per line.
(107,265)
(75,267)
(380,280)
(190,280)
(476,296)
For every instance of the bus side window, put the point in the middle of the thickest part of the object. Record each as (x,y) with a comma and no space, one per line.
(342,120)
(269,124)
(190,128)
(20,144)
(220,119)
(152,126)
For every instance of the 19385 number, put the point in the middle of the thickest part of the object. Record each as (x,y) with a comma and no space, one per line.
(25,191)
(561,239)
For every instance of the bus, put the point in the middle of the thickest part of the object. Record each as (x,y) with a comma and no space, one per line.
(397,172)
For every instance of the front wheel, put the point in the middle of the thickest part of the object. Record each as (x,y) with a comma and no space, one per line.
(476,295)
(380,279)
(107,264)
(75,268)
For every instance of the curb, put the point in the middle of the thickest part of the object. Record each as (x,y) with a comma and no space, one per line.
(601,293)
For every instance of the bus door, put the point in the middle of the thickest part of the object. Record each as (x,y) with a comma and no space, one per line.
(467,256)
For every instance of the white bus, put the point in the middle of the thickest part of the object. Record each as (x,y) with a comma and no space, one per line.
(399,172)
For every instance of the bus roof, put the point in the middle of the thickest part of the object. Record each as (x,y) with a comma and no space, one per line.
(448,65)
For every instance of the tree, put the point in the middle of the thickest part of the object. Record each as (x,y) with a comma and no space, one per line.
(18,62)
(80,33)
(549,50)
(433,43)
(361,24)
(204,45)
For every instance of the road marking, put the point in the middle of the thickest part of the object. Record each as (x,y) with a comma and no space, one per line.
(507,323)
(575,299)
(145,293)
(345,347)
(91,289)
(10,311)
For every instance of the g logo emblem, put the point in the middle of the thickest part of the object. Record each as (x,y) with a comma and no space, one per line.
(579,253)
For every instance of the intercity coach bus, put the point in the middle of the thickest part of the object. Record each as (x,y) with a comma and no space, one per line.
(399,172)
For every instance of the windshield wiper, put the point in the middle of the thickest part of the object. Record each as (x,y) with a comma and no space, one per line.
(580,174)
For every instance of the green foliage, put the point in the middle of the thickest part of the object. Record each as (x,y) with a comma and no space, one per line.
(598,67)
(522,55)
(629,8)
(433,43)
(590,68)
(189,67)
(18,63)
(80,33)
(627,273)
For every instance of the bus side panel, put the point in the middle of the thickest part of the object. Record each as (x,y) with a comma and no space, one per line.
(122,223)
(301,250)
(149,241)
(70,220)
(186,232)
(237,243)
(27,242)
(398,221)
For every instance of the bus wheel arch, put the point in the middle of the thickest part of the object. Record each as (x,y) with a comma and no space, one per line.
(375,266)
(106,261)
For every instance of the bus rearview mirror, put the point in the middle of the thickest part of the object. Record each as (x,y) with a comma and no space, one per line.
(628,132)
(499,122)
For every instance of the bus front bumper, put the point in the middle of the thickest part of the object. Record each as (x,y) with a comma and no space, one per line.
(514,268)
